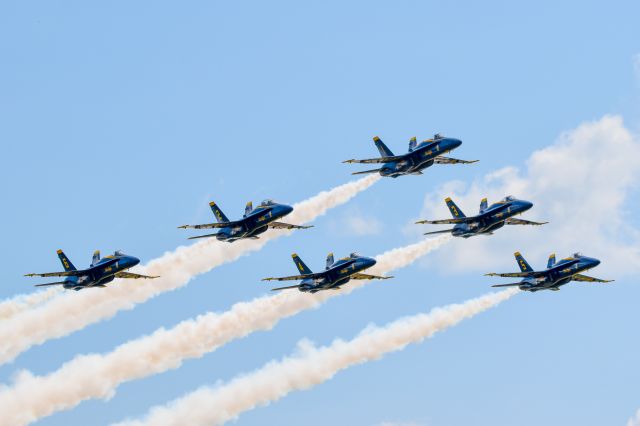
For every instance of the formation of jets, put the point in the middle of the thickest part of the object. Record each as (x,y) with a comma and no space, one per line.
(256,221)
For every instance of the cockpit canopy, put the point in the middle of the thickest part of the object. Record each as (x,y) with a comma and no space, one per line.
(438,136)
(577,255)
(119,253)
(508,198)
(268,202)
(354,255)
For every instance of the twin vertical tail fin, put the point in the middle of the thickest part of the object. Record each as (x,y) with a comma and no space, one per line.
(66,263)
(455,210)
(302,268)
(412,144)
(248,209)
(382,148)
(330,261)
(220,217)
(524,266)
(96,257)
(483,205)
(551,261)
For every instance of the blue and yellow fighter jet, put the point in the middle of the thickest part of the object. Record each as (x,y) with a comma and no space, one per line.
(420,156)
(490,218)
(557,273)
(335,274)
(254,222)
(99,273)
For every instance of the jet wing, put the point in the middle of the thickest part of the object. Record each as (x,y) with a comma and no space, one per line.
(512,274)
(58,274)
(446,221)
(282,225)
(379,160)
(285,288)
(360,276)
(447,160)
(48,284)
(131,275)
(442,231)
(209,225)
(293,277)
(364,172)
(506,285)
(202,236)
(514,221)
(585,278)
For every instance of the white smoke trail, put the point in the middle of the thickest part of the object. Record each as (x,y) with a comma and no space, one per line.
(310,367)
(12,307)
(635,420)
(73,311)
(98,376)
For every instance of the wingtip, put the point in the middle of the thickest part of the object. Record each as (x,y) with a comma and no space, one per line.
(376,139)
(212,203)
(59,251)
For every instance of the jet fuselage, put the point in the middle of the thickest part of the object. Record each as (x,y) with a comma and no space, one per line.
(337,275)
(255,223)
(421,157)
(491,219)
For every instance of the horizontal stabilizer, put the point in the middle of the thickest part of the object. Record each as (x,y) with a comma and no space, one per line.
(447,160)
(506,285)
(131,275)
(443,231)
(202,236)
(48,284)
(282,225)
(364,172)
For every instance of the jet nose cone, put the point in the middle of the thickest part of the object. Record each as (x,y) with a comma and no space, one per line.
(287,209)
(595,262)
(526,205)
(370,262)
(456,143)
(134,260)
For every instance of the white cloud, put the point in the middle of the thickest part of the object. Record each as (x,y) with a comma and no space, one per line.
(360,224)
(635,420)
(580,184)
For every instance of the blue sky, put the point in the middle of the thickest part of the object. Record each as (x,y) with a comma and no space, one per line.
(121,121)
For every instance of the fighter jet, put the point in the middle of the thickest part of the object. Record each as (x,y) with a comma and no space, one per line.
(335,274)
(253,222)
(490,218)
(557,273)
(99,273)
(420,156)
